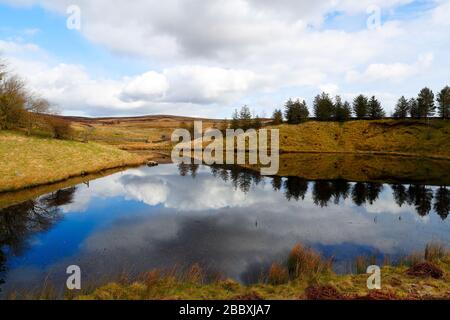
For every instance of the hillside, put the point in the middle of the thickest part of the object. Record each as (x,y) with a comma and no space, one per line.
(409,137)
(31,161)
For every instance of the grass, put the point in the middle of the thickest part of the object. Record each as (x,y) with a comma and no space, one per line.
(408,137)
(33,161)
(303,272)
(304,275)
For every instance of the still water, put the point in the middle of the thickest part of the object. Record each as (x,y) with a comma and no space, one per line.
(231,222)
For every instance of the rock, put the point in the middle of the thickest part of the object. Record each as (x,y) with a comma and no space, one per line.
(152,163)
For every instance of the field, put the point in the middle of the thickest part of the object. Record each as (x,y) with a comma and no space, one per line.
(418,138)
(100,143)
(135,134)
(32,161)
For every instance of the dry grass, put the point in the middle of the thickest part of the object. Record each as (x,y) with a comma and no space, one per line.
(32,161)
(409,137)
(423,282)
(306,263)
(277,275)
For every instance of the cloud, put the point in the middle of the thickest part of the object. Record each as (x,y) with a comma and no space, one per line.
(212,56)
(148,86)
(394,72)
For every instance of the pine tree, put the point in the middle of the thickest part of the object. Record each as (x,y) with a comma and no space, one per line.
(413,108)
(401,109)
(360,106)
(323,107)
(235,123)
(289,111)
(443,99)
(303,112)
(296,112)
(375,110)
(342,111)
(245,118)
(277,117)
(425,102)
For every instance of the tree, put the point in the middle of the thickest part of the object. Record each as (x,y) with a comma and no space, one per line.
(375,110)
(360,106)
(342,111)
(257,123)
(235,120)
(277,117)
(443,99)
(60,127)
(402,108)
(12,102)
(323,107)
(425,102)
(35,107)
(442,202)
(296,111)
(245,118)
(413,108)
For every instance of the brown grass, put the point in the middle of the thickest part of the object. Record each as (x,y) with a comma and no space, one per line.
(323,292)
(32,161)
(304,262)
(386,136)
(425,269)
(278,275)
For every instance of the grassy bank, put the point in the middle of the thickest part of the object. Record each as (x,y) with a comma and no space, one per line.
(304,275)
(400,137)
(32,161)
(363,168)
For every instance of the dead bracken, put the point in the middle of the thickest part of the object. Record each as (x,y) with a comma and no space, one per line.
(323,292)
(425,269)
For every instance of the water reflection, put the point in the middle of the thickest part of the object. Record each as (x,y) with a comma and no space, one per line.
(19,222)
(325,192)
(231,221)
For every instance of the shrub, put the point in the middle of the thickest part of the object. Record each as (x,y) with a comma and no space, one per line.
(306,262)
(60,128)
(277,275)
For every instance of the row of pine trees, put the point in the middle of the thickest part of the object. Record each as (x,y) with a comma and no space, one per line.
(362,107)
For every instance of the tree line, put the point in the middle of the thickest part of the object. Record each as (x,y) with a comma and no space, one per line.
(325,108)
(23,110)
(245,119)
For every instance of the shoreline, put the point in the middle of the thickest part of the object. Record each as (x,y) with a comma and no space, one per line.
(93,174)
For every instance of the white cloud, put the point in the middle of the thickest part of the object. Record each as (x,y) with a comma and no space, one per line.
(392,72)
(213,55)
(151,85)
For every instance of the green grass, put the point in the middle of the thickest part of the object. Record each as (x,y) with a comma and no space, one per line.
(32,161)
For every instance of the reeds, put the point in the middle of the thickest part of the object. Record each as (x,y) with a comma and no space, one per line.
(305,262)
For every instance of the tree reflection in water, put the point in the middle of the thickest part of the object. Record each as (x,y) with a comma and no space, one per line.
(19,222)
(325,192)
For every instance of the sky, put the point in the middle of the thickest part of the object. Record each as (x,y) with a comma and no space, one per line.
(206,58)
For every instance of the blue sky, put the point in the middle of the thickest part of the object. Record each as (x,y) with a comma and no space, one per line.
(206,58)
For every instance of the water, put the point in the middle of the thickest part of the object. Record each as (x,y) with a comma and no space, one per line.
(231,222)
